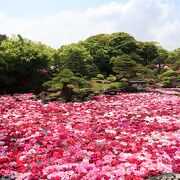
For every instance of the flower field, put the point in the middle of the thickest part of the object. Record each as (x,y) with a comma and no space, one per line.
(127,136)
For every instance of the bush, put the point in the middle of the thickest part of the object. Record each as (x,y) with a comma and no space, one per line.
(23,65)
(111,78)
(94,79)
(82,90)
(168,81)
(169,73)
(100,76)
(168,78)
(66,76)
(80,82)
(116,85)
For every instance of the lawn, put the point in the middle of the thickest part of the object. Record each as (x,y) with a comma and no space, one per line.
(126,136)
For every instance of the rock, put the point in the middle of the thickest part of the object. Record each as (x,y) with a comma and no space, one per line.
(6,178)
(52,90)
(61,100)
(83,96)
(66,92)
(165,176)
(55,94)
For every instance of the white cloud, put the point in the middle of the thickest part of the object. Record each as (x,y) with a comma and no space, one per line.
(145,19)
(168,34)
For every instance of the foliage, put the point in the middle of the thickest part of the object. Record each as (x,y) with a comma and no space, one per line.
(174,56)
(2,37)
(167,81)
(169,77)
(124,66)
(149,52)
(122,43)
(99,50)
(161,58)
(100,76)
(176,65)
(26,65)
(21,63)
(66,76)
(76,58)
(116,85)
(169,73)
(111,78)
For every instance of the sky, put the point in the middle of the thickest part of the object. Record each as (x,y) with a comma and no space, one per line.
(59,22)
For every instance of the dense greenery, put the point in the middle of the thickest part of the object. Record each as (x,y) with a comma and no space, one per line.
(23,64)
(103,60)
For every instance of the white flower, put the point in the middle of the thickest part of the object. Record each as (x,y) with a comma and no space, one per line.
(22,157)
(110,131)
(100,140)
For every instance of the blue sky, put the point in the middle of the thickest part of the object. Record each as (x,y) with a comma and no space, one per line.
(58,22)
(39,8)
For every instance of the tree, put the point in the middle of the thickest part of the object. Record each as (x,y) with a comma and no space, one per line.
(162,55)
(176,65)
(20,63)
(98,47)
(75,58)
(2,37)
(66,77)
(122,43)
(124,66)
(149,52)
(174,58)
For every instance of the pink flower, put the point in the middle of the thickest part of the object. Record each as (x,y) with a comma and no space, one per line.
(127,136)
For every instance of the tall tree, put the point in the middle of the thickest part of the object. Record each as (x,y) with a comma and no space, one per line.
(20,62)
(122,43)
(3,37)
(75,57)
(149,53)
(99,50)
(124,66)
(162,55)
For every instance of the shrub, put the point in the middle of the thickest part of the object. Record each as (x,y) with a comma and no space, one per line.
(111,78)
(100,76)
(168,81)
(169,73)
(168,78)
(116,85)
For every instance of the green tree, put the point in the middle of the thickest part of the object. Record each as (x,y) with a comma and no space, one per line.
(176,65)
(174,58)
(75,57)
(149,52)
(98,47)
(20,63)
(161,58)
(66,77)
(124,66)
(2,37)
(122,43)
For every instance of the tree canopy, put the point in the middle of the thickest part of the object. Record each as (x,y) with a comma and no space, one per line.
(26,65)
